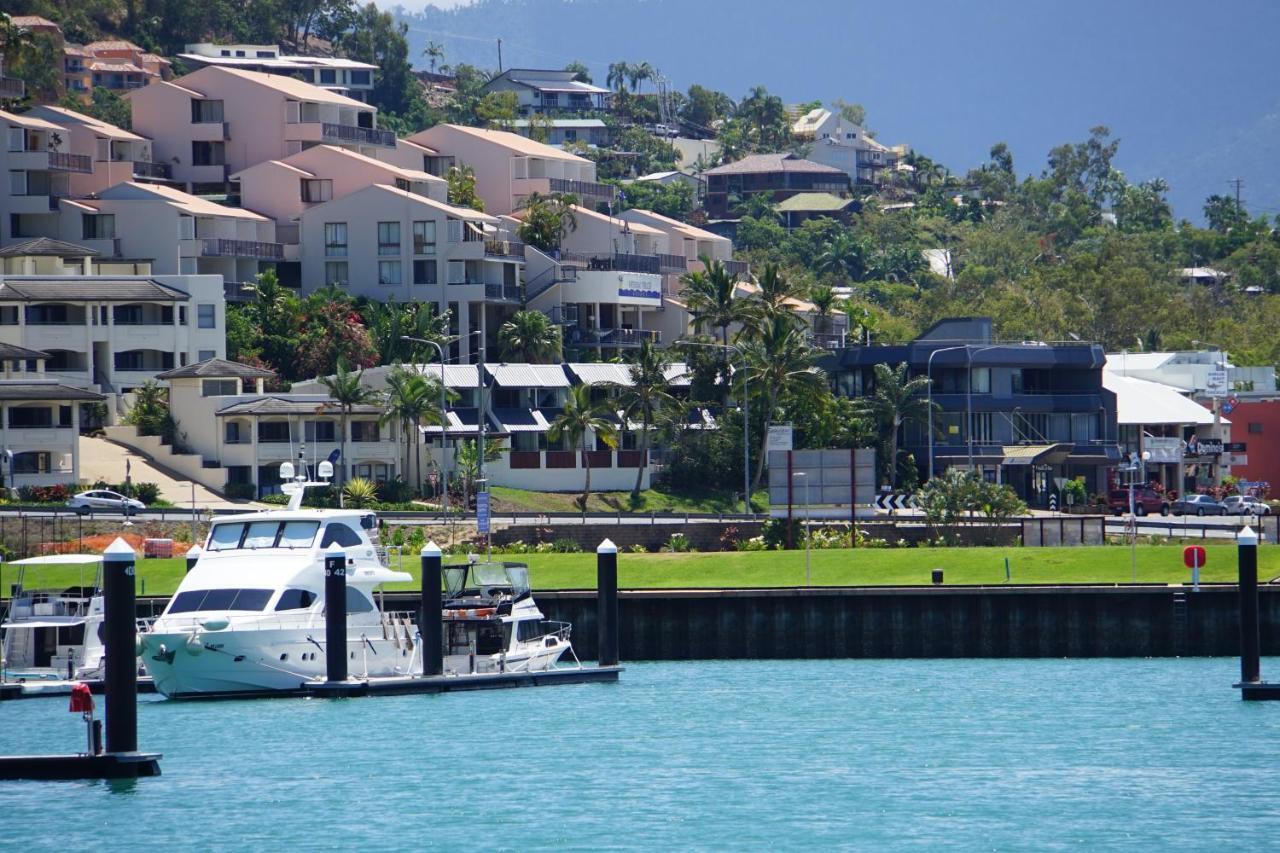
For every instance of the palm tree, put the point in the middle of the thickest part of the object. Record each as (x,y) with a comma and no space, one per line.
(411,399)
(779,358)
(547,220)
(618,73)
(648,392)
(711,296)
(895,400)
(637,74)
(530,336)
(824,302)
(775,290)
(842,256)
(579,419)
(435,53)
(345,389)
(758,205)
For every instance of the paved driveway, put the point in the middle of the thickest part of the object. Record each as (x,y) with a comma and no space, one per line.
(101,459)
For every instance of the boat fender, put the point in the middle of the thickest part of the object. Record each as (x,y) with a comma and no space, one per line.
(194,644)
(215,624)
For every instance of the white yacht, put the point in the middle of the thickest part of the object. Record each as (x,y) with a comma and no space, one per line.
(249,616)
(54,635)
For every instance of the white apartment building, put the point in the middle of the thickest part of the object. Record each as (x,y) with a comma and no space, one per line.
(337,74)
(385,243)
(550,90)
(509,167)
(39,426)
(284,189)
(38,164)
(840,143)
(217,121)
(103,329)
(115,155)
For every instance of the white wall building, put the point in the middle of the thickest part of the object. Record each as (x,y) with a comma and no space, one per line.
(335,73)
(40,427)
(115,155)
(838,142)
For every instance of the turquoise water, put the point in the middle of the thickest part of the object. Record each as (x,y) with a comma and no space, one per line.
(726,755)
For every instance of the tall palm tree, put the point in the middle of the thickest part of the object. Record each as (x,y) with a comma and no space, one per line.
(618,73)
(434,53)
(638,73)
(530,336)
(711,297)
(580,418)
(345,389)
(649,391)
(824,302)
(411,399)
(895,400)
(780,359)
(843,255)
(775,290)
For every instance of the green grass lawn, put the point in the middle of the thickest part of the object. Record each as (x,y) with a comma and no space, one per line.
(651,500)
(862,567)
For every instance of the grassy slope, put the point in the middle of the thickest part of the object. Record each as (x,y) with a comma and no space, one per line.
(895,567)
(651,500)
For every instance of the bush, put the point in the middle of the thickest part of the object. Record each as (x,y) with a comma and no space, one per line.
(638,549)
(148,493)
(360,493)
(277,499)
(775,533)
(566,546)
(678,544)
(55,494)
(395,491)
(240,491)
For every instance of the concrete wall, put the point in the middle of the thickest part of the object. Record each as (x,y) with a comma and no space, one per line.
(704,537)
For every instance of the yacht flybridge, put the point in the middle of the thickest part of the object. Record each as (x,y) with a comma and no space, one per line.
(54,634)
(249,618)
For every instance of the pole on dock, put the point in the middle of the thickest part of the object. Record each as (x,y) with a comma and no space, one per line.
(119,602)
(335,613)
(1250,644)
(430,623)
(193,556)
(607,602)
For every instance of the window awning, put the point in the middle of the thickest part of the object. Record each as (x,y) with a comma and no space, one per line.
(1036,454)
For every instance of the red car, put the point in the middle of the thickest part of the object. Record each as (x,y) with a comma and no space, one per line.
(1146,500)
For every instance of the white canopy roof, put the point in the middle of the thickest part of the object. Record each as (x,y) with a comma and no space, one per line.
(1141,402)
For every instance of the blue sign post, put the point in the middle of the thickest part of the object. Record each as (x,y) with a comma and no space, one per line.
(482,512)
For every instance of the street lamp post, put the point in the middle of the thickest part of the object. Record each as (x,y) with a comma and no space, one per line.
(928,372)
(1133,516)
(807,549)
(968,404)
(444,423)
(746,422)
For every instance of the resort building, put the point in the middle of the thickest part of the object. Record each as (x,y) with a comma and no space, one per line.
(509,167)
(38,162)
(217,121)
(549,91)
(113,155)
(40,422)
(337,74)
(778,176)
(565,131)
(836,141)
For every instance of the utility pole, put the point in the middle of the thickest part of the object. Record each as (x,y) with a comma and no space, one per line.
(499,56)
(1238,183)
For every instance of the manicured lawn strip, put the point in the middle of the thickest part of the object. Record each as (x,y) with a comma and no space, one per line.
(651,500)
(861,567)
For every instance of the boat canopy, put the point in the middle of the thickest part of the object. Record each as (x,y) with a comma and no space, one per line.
(512,576)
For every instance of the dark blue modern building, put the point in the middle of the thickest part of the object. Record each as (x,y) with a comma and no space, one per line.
(1026,413)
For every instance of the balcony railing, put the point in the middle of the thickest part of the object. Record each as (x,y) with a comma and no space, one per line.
(583,189)
(741,269)
(672,263)
(504,248)
(218,247)
(358,135)
(60,161)
(502,292)
(12,89)
(612,337)
(158,171)
(613,263)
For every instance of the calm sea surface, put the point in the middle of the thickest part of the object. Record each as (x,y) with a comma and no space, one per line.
(725,755)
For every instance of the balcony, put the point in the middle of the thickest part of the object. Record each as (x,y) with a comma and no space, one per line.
(353,135)
(614,263)
(583,189)
(612,337)
(153,171)
(741,269)
(504,249)
(672,264)
(12,89)
(60,161)
(218,247)
(502,292)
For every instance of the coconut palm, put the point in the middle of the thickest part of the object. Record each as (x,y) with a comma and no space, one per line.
(547,219)
(434,53)
(579,419)
(824,301)
(711,296)
(346,391)
(895,400)
(638,73)
(843,255)
(411,399)
(649,391)
(618,73)
(530,336)
(779,358)
(775,290)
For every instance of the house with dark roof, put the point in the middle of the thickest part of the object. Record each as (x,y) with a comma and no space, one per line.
(549,90)
(779,176)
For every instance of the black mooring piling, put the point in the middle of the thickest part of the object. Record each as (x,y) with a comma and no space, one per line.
(607,602)
(120,610)
(335,613)
(431,621)
(193,557)
(1251,684)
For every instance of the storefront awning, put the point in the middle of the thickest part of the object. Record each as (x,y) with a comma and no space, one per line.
(1036,454)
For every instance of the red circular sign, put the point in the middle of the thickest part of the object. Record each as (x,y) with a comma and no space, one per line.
(1193,555)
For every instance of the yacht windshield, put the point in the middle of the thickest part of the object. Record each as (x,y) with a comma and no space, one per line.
(263,534)
(252,600)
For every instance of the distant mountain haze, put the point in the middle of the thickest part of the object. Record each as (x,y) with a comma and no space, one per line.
(1189,88)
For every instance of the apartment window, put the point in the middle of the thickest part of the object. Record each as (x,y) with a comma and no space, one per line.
(273,432)
(424,272)
(30,417)
(205,355)
(17,139)
(205,112)
(1255,428)
(64,417)
(364,431)
(182,315)
(981,380)
(360,78)
(388,238)
(455,230)
(335,239)
(336,273)
(320,431)
(9,315)
(316,190)
(424,238)
(219,388)
(983,432)
(232,432)
(98,226)
(457,272)
(208,153)
(389,272)
(17,183)
(206,317)
(32,463)
(328,77)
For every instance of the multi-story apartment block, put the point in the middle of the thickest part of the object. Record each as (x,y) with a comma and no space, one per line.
(549,91)
(285,189)
(40,422)
(215,122)
(38,162)
(115,155)
(779,176)
(337,74)
(383,242)
(509,168)
(99,327)
(604,285)
(838,142)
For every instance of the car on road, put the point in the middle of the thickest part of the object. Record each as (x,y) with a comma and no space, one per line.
(1146,501)
(1245,505)
(102,500)
(1197,505)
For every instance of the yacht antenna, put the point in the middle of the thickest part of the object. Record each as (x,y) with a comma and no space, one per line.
(296,482)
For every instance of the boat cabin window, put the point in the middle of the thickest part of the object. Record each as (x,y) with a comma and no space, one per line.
(263,534)
(340,534)
(358,602)
(528,630)
(296,599)
(248,600)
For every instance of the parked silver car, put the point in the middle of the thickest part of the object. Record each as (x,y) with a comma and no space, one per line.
(1197,505)
(101,500)
(1245,505)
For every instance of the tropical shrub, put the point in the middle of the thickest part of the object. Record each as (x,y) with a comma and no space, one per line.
(360,493)
(240,491)
(566,546)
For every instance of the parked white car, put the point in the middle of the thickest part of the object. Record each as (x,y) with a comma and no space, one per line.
(101,500)
(1245,505)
